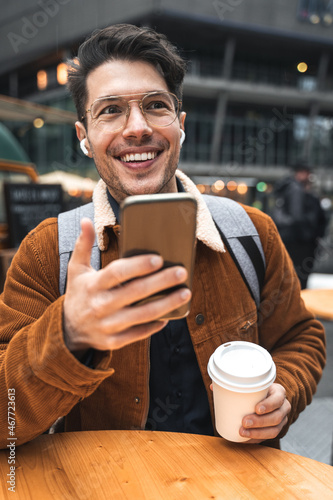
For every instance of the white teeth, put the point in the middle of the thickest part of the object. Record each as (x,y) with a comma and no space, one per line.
(139,157)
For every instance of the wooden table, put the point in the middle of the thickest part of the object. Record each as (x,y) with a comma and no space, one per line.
(146,465)
(319,302)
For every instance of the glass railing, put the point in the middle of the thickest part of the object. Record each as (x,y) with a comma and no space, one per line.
(252,72)
(260,142)
(316,11)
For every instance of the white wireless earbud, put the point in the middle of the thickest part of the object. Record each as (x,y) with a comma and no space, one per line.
(182,137)
(83,147)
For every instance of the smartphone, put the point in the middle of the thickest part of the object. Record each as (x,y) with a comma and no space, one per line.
(163,224)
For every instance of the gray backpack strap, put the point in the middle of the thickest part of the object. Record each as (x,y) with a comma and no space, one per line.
(241,238)
(68,231)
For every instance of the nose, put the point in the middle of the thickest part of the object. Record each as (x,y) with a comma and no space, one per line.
(136,125)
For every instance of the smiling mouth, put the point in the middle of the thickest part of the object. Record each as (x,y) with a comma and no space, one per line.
(139,157)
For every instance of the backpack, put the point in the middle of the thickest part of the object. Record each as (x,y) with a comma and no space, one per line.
(235,227)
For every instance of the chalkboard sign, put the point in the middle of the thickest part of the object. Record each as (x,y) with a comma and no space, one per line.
(29,204)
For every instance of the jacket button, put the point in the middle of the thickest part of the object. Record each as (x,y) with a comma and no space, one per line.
(246,326)
(199,319)
(137,400)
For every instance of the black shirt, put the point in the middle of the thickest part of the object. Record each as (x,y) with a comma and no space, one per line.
(178,398)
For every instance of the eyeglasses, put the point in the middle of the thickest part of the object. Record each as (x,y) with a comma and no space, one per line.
(110,114)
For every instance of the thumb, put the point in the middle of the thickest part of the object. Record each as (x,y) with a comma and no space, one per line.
(82,251)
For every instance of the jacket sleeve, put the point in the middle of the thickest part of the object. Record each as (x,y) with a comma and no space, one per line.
(35,364)
(287,329)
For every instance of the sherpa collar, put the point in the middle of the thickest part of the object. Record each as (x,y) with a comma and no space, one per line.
(206,230)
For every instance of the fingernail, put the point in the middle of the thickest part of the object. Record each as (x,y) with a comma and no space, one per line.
(185,294)
(180,273)
(262,409)
(249,423)
(155,261)
(245,433)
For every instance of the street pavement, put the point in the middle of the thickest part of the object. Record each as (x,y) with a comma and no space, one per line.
(312,434)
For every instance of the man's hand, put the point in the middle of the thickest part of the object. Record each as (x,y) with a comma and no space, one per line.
(98,310)
(270,416)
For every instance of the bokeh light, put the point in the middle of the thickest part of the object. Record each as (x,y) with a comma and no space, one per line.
(38,122)
(242,188)
(261,187)
(302,67)
(232,185)
(41,79)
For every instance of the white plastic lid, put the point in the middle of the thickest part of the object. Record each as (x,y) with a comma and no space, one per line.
(242,367)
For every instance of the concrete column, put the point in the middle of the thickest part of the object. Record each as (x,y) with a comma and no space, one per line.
(322,70)
(222,101)
(315,107)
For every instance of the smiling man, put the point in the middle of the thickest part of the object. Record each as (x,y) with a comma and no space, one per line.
(90,355)
(141,157)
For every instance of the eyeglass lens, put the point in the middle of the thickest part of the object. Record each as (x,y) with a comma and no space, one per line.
(110,113)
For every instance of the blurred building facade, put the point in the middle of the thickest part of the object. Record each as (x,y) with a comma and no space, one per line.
(258,93)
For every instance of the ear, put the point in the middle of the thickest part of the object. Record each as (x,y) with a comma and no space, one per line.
(182,117)
(82,134)
(181,126)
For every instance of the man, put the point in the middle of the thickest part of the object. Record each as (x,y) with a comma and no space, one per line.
(90,355)
(300,219)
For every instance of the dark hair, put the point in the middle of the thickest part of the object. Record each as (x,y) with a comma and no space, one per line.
(124,42)
(301,166)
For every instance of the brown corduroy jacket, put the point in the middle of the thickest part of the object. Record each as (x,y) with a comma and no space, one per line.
(49,382)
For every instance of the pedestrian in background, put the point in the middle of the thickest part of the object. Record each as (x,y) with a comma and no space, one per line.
(300,219)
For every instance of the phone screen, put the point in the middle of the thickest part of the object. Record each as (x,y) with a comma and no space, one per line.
(164,224)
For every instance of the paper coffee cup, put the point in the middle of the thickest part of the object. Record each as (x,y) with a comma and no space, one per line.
(241,373)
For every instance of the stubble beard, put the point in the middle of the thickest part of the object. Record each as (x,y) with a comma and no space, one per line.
(120,190)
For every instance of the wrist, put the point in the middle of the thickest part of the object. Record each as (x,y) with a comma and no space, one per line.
(76,347)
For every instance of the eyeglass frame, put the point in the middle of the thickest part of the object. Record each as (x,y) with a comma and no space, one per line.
(143,94)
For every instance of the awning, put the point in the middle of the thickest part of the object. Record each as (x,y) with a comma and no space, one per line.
(70,182)
(24,111)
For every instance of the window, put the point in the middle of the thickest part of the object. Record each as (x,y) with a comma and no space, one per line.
(316,11)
